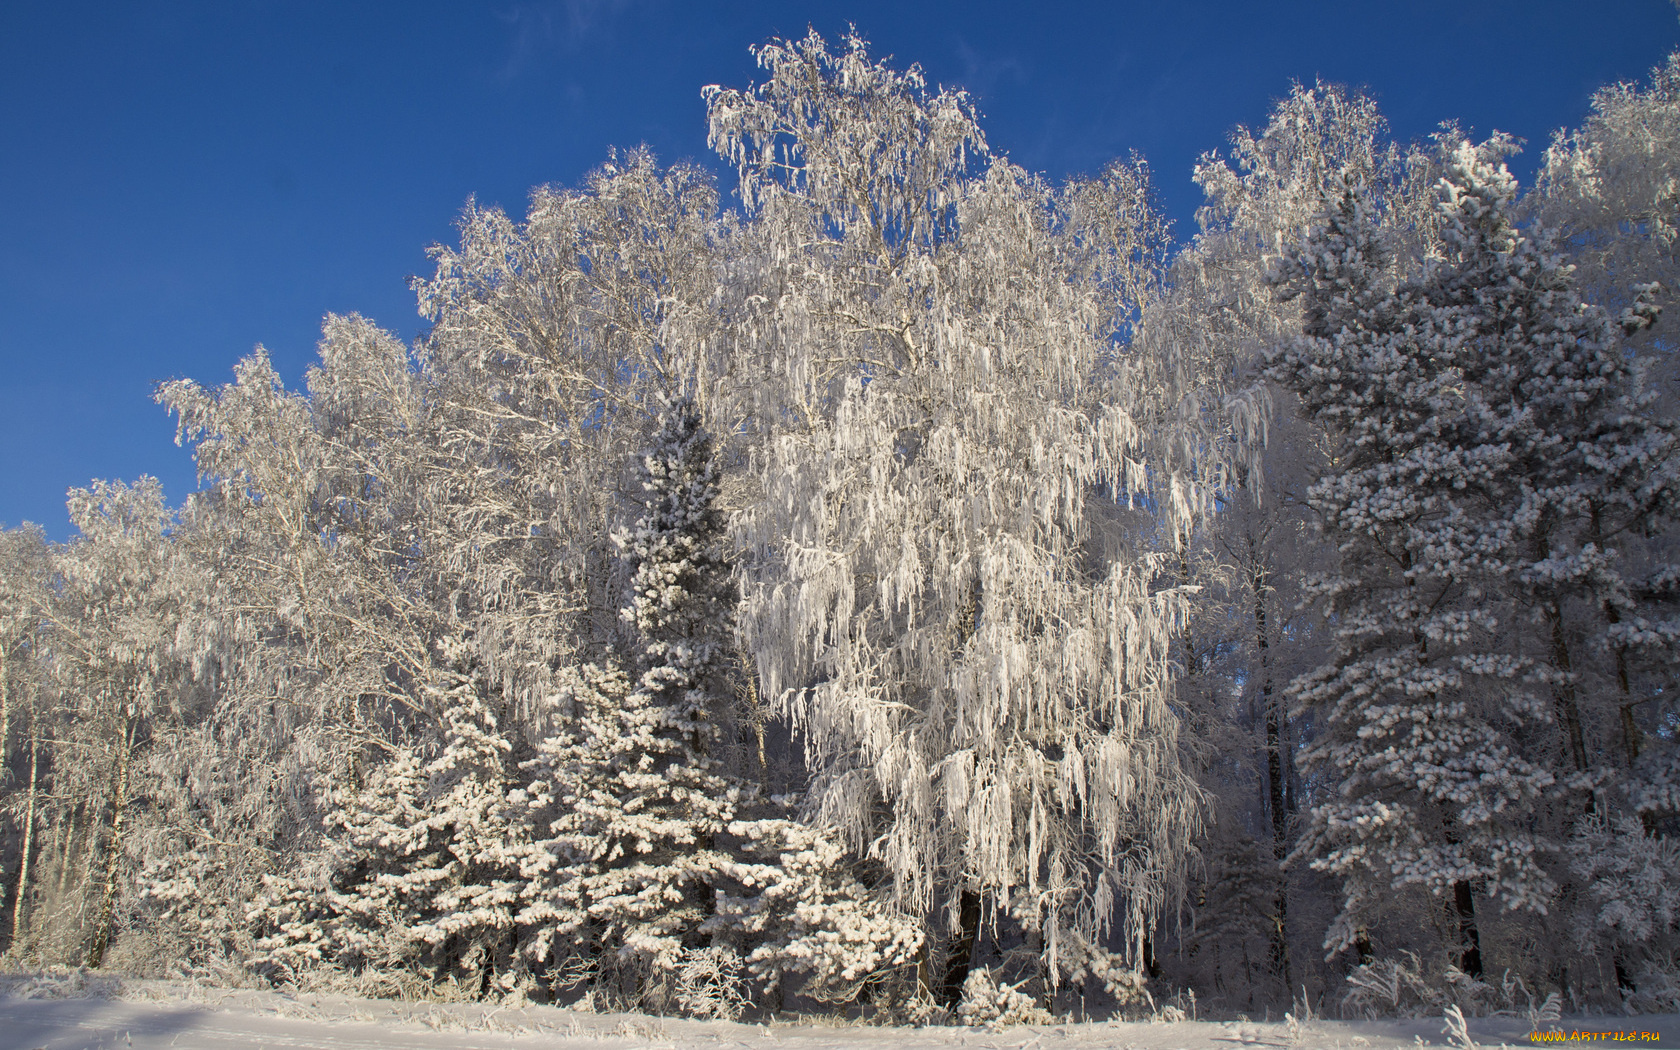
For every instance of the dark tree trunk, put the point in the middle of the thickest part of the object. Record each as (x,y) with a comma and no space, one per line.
(924,971)
(1362,946)
(1151,965)
(1469,938)
(1275,772)
(1568,708)
(961,957)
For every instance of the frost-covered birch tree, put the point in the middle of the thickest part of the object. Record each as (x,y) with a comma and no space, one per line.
(307,535)
(954,586)
(551,341)
(121,592)
(461,488)
(1611,189)
(25,574)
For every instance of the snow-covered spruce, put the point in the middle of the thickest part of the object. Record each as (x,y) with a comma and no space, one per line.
(624,804)
(801,917)
(422,871)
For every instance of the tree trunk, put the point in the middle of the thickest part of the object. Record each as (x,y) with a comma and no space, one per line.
(1624,680)
(90,819)
(1275,774)
(113,850)
(1568,709)
(961,957)
(755,712)
(60,848)
(64,864)
(924,971)
(1469,938)
(1192,659)
(1624,686)
(1035,945)
(5,716)
(22,895)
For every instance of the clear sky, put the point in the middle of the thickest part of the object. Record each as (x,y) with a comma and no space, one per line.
(187,180)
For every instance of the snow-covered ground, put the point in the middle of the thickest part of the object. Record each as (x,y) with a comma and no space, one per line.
(82,1014)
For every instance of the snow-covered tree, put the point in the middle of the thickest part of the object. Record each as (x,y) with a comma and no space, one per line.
(460,488)
(801,916)
(120,592)
(1587,462)
(625,800)
(1424,709)
(422,874)
(1630,880)
(551,341)
(1573,479)
(304,532)
(1610,189)
(953,575)
(1594,487)
(25,573)
(1251,633)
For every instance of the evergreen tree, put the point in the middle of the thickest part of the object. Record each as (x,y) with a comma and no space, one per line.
(1423,705)
(423,874)
(800,910)
(1588,463)
(1592,487)
(625,800)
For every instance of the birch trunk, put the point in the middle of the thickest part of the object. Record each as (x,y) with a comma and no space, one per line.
(961,958)
(22,893)
(5,714)
(68,824)
(113,850)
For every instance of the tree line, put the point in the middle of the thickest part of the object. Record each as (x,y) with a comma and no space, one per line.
(923,587)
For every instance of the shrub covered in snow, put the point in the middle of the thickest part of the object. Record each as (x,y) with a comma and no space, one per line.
(986,1002)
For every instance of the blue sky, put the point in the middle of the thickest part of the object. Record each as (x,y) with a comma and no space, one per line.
(186,180)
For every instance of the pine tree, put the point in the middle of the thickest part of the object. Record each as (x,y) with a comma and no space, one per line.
(1592,486)
(1589,463)
(1422,706)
